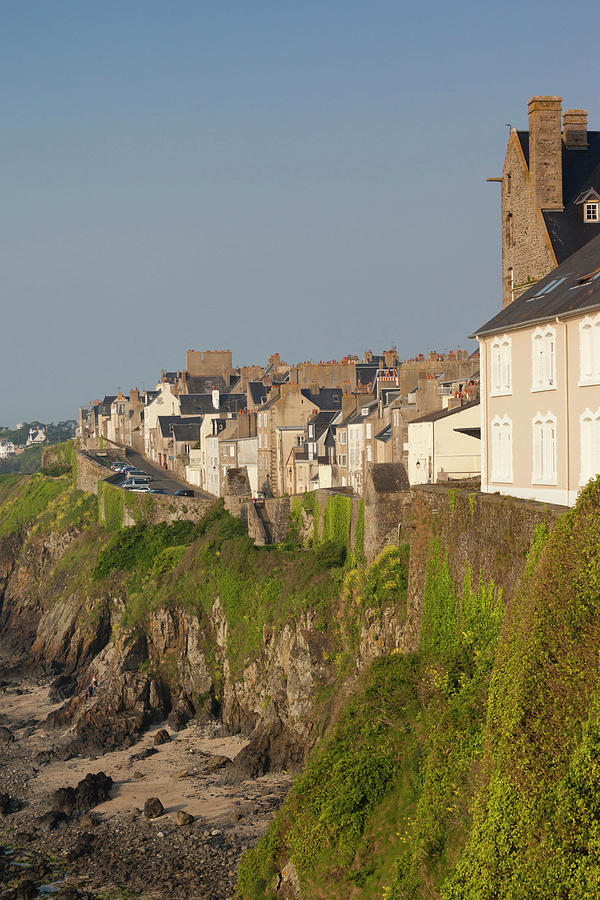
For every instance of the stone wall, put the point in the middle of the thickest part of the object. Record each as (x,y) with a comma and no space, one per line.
(490,533)
(150,508)
(387,498)
(154,508)
(89,473)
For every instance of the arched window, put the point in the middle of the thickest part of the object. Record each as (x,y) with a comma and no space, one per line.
(500,366)
(589,430)
(589,350)
(502,469)
(544,448)
(543,359)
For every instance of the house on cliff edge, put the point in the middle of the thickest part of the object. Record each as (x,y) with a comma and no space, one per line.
(540,386)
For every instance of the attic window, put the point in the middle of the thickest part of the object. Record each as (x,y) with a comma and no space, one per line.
(548,288)
(587,279)
(590,212)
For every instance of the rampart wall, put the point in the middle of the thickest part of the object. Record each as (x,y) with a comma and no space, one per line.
(487,534)
(120,508)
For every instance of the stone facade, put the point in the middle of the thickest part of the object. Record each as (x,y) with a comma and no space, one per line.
(527,253)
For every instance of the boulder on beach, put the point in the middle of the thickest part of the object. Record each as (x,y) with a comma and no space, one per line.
(91,790)
(184,818)
(162,736)
(153,808)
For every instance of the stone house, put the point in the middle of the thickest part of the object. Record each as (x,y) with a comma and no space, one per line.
(172,439)
(550,193)
(281,424)
(540,385)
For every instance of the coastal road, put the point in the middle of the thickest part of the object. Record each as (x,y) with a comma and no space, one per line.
(162,478)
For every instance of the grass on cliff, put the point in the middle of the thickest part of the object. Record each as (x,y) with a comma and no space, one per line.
(192,566)
(493,730)
(383,803)
(45,504)
(536,831)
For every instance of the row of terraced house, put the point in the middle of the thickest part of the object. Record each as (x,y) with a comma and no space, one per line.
(294,428)
(522,412)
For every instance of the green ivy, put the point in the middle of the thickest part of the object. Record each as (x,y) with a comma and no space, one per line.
(113,506)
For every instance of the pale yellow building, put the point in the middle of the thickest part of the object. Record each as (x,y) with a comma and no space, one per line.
(540,391)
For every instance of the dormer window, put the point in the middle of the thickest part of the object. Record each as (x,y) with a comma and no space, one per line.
(590,201)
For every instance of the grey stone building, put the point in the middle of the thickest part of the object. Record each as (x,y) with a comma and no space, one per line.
(550,193)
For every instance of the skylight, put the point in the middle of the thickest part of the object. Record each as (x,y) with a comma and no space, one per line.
(548,288)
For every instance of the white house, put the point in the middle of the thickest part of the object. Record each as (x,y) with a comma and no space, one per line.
(540,393)
(445,445)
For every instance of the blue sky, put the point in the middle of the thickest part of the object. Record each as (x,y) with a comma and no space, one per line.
(307,179)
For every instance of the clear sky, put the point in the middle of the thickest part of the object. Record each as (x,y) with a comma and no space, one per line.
(305,178)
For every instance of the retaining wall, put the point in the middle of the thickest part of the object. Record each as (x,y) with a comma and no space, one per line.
(489,533)
(120,508)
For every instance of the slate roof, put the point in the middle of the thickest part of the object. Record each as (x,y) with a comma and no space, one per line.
(191,404)
(322,421)
(581,170)
(187,431)
(366,372)
(203,384)
(444,413)
(327,398)
(258,392)
(567,298)
(165,423)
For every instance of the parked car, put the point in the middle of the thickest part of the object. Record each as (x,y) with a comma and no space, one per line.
(184,492)
(138,473)
(139,489)
(158,491)
(135,481)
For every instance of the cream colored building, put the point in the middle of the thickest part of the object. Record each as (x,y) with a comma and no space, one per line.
(445,445)
(540,392)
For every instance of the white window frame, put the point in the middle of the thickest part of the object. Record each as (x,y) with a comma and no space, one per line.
(544,445)
(342,437)
(501,446)
(591,213)
(369,454)
(501,366)
(543,359)
(368,435)
(589,350)
(589,445)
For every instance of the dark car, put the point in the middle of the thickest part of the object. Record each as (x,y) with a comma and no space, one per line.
(157,491)
(184,492)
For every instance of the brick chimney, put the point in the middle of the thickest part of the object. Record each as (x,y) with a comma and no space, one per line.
(575,129)
(545,152)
